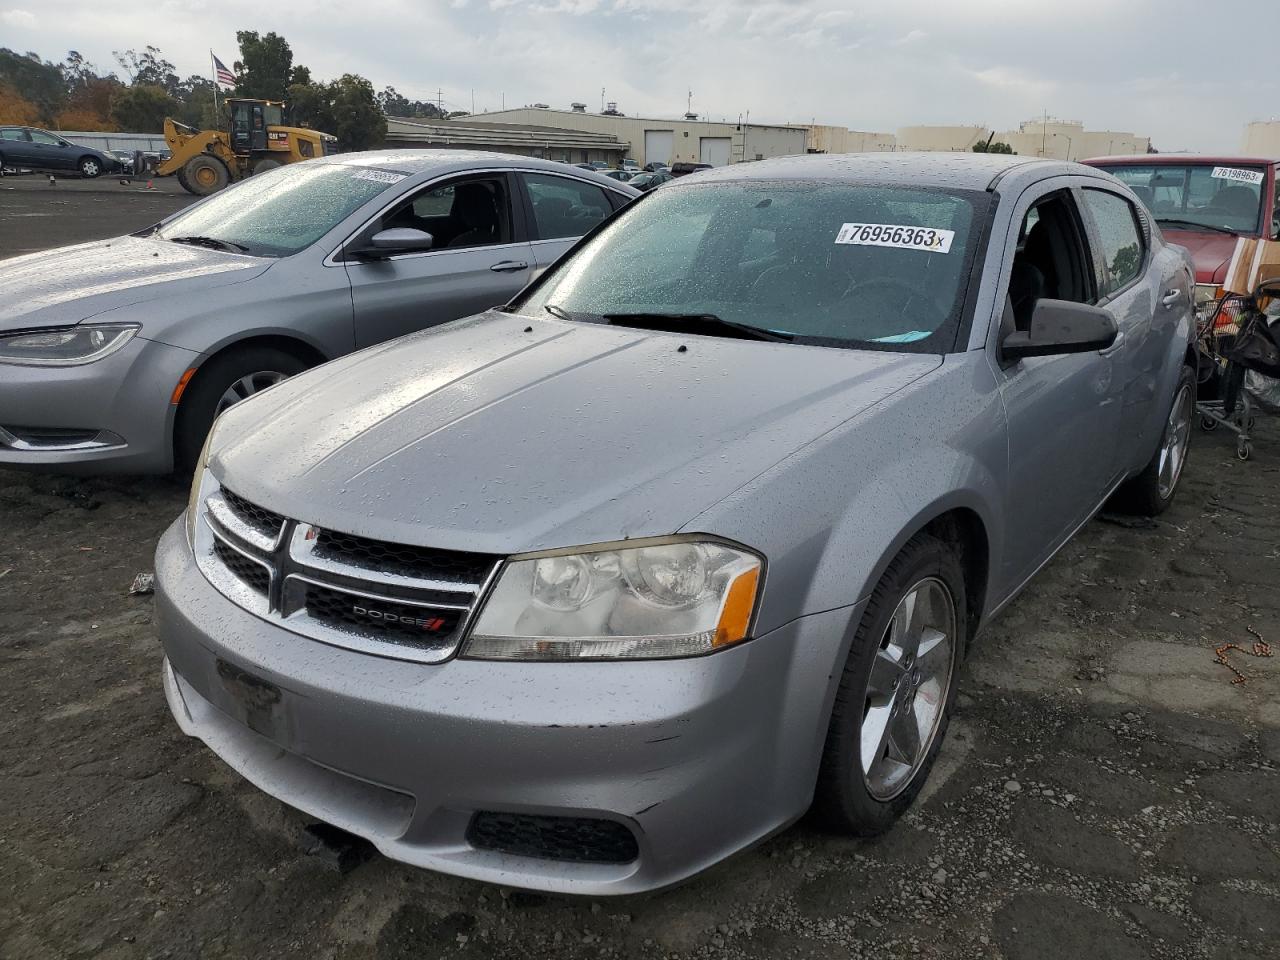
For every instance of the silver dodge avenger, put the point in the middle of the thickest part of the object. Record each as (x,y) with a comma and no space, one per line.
(589,592)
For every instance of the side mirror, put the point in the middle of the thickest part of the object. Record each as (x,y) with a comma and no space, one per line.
(402,239)
(1061,326)
(384,243)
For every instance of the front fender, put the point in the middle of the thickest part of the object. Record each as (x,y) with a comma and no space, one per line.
(832,515)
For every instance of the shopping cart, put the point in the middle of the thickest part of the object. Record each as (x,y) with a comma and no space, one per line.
(1231,340)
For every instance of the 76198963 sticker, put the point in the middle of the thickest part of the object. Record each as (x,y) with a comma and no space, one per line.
(1236,174)
(929,239)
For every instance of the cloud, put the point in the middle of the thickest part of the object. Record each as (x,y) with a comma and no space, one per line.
(19,19)
(993,61)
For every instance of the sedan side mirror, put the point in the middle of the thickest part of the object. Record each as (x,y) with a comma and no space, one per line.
(1061,326)
(402,239)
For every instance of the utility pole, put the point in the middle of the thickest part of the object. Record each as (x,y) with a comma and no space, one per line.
(440,100)
(1044,126)
(473,101)
(602,99)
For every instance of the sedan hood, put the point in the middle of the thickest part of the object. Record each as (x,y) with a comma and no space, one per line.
(62,287)
(1210,251)
(501,435)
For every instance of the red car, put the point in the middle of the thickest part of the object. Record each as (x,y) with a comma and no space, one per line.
(1204,204)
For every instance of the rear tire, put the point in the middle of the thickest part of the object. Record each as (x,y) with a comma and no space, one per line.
(909,683)
(1150,493)
(265,164)
(253,367)
(90,167)
(205,174)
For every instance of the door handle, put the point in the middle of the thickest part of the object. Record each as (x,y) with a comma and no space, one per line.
(1115,347)
(510,266)
(1172,297)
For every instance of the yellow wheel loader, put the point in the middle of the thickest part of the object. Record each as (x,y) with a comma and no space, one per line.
(205,161)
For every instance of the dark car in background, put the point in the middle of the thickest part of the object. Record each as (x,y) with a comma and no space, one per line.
(1204,203)
(647,181)
(683,168)
(31,148)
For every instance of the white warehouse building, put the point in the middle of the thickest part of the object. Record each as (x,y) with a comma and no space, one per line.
(657,140)
(1262,139)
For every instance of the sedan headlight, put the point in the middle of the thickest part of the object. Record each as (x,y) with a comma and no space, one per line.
(666,598)
(201,481)
(66,346)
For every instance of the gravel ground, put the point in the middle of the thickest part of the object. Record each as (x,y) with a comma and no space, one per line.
(1105,791)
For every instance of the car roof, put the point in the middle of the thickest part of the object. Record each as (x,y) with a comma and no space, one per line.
(1178,159)
(964,171)
(433,162)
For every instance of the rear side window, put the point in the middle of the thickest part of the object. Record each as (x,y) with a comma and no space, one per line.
(564,207)
(1121,239)
(12,134)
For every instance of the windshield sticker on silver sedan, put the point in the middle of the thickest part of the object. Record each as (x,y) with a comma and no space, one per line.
(893,235)
(380,176)
(1235,173)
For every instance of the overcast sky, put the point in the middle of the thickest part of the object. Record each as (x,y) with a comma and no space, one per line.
(1188,74)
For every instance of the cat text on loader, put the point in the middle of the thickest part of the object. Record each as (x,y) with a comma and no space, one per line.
(205,161)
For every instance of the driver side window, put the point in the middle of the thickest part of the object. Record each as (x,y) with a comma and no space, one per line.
(1051,260)
(467,212)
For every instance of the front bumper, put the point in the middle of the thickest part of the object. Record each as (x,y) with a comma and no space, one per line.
(698,758)
(118,408)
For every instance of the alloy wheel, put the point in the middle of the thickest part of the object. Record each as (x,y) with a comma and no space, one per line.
(1173,445)
(247,386)
(907,688)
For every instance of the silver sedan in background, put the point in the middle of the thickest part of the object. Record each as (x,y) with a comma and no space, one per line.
(117,355)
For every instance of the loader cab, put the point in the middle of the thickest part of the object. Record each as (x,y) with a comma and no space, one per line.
(249,122)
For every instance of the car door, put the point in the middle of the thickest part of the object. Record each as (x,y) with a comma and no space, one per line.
(480,258)
(560,210)
(1062,411)
(49,152)
(16,146)
(1147,291)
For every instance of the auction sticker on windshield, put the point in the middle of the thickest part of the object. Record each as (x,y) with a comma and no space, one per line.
(1235,173)
(380,176)
(902,237)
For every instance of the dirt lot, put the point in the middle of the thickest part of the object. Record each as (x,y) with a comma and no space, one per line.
(1106,791)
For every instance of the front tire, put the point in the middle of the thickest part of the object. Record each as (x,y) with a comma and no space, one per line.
(895,695)
(219,384)
(204,175)
(1150,493)
(90,167)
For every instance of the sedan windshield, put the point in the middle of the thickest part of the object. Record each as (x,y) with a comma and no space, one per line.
(1186,196)
(279,212)
(815,262)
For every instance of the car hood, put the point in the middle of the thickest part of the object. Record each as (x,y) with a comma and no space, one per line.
(499,434)
(68,285)
(1210,251)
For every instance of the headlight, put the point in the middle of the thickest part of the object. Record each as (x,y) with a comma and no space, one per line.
(667,598)
(66,346)
(200,481)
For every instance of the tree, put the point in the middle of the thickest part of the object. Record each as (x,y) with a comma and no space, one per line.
(37,81)
(88,105)
(15,108)
(345,107)
(142,108)
(265,68)
(394,104)
(997,147)
(148,68)
(195,103)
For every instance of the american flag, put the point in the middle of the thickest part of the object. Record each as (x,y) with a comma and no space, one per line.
(223,76)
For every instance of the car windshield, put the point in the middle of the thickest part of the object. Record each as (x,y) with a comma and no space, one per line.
(280,212)
(1212,195)
(817,262)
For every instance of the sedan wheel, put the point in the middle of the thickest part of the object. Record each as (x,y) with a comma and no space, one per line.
(90,167)
(247,386)
(907,688)
(1174,443)
(896,689)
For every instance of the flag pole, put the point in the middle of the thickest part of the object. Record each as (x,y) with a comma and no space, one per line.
(215,83)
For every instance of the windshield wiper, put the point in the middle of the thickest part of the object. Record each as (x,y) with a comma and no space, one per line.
(1194,225)
(558,312)
(705,323)
(213,242)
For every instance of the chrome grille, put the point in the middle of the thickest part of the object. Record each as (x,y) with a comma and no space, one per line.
(393,600)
